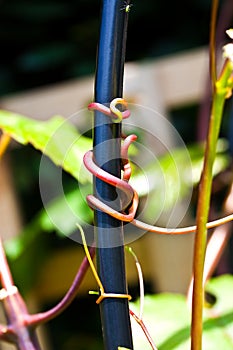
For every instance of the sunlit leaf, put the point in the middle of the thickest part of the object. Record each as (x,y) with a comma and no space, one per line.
(168,319)
(56,138)
(63,214)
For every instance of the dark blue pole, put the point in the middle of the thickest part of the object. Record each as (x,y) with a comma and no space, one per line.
(107,136)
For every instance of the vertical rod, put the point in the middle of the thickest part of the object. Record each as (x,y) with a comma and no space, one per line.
(107,143)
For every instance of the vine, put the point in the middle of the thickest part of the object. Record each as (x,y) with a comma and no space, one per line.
(20,327)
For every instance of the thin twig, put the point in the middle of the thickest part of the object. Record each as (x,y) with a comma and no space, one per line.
(144,328)
(212,45)
(67,299)
(103,294)
(140,278)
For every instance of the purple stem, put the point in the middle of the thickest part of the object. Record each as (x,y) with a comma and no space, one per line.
(20,329)
(16,331)
(67,299)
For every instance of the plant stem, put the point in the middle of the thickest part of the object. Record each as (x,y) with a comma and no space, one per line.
(39,318)
(221,92)
(107,145)
(213,43)
(144,329)
(16,331)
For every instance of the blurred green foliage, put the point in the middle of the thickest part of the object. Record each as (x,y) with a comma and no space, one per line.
(167,317)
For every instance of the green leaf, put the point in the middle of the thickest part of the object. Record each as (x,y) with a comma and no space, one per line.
(61,215)
(172,177)
(168,318)
(56,138)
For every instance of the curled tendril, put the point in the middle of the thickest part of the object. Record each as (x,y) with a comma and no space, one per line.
(103,294)
(130,205)
(112,111)
(124,156)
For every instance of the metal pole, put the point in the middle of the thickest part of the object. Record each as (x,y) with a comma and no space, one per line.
(107,136)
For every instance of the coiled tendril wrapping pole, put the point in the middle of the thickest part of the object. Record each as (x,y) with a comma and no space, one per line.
(130,199)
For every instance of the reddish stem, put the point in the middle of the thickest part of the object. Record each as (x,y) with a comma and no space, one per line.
(16,331)
(20,328)
(144,328)
(68,298)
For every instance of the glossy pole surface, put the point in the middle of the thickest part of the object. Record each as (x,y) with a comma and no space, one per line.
(107,143)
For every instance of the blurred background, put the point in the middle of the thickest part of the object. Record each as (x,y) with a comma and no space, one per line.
(44,42)
(48,43)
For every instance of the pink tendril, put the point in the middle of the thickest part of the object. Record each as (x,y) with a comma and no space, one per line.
(124,156)
(132,197)
(111,111)
(110,179)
